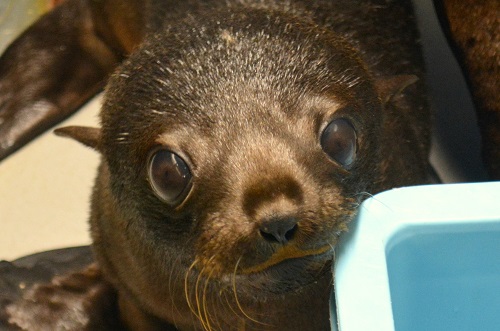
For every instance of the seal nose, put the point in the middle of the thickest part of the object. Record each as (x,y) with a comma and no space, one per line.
(279,230)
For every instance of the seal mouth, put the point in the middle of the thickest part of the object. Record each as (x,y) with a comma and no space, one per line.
(287,275)
(286,256)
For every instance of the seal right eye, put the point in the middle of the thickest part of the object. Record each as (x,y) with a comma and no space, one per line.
(339,141)
(169,176)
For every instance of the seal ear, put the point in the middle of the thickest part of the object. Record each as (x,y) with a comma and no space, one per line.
(390,87)
(88,136)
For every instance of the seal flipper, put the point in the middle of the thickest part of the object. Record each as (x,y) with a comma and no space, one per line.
(79,300)
(52,69)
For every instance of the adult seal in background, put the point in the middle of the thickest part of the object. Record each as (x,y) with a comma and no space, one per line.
(473,31)
(238,139)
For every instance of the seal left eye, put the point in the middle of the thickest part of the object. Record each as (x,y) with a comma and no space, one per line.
(169,176)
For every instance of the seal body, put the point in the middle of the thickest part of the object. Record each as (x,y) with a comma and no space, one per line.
(238,140)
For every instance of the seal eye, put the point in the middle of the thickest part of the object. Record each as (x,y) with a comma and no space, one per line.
(339,141)
(169,176)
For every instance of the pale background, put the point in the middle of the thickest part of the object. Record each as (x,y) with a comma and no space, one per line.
(45,192)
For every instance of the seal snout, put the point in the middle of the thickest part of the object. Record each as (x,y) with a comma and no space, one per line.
(275,205)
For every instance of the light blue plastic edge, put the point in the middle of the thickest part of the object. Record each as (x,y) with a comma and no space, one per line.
(362,294)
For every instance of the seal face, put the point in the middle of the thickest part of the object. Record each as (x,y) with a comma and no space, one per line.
(234,152)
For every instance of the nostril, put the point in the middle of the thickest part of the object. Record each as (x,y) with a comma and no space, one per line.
(290,233)
(280,230)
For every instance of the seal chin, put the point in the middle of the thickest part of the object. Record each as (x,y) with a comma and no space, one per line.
(287,276)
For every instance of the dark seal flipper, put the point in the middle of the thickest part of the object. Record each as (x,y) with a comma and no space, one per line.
(59,63)
(473,30)
(56,289)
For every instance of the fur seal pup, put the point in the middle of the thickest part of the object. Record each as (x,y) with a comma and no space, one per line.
(237,142)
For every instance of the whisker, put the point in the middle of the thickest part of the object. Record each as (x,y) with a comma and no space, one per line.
(240,307)
(204,303)
(369,195)
(186,288)
(174,308)
(198,303)
(236,313)
(215,319)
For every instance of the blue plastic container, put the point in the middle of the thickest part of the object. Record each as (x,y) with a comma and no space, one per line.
(421,258)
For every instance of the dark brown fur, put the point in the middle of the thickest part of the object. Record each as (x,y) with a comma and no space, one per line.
(473,28)
(242,91)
